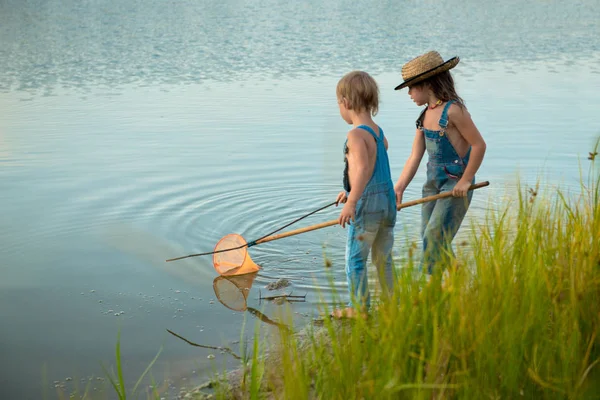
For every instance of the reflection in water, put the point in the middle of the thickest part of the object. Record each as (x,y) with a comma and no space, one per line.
(221,348)
(232,292)
(266,319)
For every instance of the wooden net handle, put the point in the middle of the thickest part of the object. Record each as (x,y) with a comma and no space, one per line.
(335,221)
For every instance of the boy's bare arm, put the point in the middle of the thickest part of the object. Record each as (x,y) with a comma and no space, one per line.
(358,158)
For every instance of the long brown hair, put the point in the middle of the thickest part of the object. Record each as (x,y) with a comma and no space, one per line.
(442,86)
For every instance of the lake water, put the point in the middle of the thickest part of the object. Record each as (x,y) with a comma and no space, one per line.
(136,131)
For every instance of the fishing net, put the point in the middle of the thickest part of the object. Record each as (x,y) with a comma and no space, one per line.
(231,256)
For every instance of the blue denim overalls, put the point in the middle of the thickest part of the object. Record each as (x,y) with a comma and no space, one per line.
(441,219)
(373,227)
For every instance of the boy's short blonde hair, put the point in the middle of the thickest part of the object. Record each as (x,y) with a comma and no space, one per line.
(360,90)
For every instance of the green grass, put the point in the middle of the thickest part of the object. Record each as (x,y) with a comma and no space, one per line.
(517,315)
(118,382)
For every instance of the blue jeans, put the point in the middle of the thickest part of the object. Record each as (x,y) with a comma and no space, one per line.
(372,231)
(441,219)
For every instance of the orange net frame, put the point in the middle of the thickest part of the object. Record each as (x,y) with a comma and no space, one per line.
(233,262)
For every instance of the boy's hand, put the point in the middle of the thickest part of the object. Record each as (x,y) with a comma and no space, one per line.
(461,188)
(341,198)
(348,213)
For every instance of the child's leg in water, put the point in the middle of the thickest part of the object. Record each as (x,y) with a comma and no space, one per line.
(371,229)
(441,221)
(358,245)
(382,257)
(361,234)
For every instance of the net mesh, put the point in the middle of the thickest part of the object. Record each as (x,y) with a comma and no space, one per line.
(233,291)
(233,262)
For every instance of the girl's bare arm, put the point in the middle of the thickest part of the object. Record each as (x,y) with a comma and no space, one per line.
(461,119)
(412,164)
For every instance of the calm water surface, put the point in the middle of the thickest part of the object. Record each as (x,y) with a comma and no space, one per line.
(132,132)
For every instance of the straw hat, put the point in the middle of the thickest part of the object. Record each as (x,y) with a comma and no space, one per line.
(425,66)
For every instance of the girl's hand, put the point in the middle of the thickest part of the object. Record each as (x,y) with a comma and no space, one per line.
(399,192)
(348,213)
(341,198)
(461,189)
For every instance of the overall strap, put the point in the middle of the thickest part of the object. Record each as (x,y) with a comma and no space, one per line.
(444,118)
(372,132)
(419,121)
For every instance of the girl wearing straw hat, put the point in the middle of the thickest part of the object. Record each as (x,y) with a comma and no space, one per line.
(454,146)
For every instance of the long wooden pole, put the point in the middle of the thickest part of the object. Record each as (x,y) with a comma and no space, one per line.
(335,221)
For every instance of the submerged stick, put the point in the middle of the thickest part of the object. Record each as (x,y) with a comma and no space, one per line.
(266,319)
(225,349)
(280,296)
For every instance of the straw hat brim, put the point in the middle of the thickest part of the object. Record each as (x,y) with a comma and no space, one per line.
(448,65)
